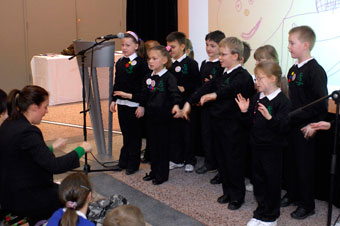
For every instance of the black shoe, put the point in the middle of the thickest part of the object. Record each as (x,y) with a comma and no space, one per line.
(216,180)
(223,199)
(202,170)
(130,171)
(148,177)
(234,205)
(301,213)
(286,201)
(116,168)
(157,182)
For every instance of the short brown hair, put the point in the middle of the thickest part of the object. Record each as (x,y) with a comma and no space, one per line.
(176,36)
(234,44)
(306,34)
(270,68)
(266,53)
(125,215)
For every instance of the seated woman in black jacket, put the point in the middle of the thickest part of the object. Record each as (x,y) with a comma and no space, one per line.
(3,107)
(27,165)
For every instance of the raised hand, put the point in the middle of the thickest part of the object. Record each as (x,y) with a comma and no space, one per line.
(242,103)
(264,111)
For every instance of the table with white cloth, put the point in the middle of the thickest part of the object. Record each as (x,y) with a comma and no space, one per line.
(61,78)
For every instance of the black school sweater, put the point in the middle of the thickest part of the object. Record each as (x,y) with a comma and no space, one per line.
(210,68)
(188,76)
(159,99)
(268,132)
(307,84)
(129,77)
(226,86)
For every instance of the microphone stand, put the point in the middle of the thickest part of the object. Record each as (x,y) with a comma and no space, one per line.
(336,97)
(87,167)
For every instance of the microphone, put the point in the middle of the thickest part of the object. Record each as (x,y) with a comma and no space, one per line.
(111,36)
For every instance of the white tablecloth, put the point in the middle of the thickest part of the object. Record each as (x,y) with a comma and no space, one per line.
(61,78)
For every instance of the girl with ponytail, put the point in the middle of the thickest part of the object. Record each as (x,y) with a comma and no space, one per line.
(75,195)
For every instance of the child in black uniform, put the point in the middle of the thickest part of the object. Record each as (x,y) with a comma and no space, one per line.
(130,71)
(307,82)
(267,113)
(210,68)
(162,98)
(186,72)
(228,132)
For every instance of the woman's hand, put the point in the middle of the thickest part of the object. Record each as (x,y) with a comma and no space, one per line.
(242,103)
(139,112)
(59,143)
(87,146)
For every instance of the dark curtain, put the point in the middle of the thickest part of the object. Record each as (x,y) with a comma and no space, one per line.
(152,19)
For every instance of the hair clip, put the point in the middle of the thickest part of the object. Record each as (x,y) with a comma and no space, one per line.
(168,48)
(71,205)
(82,186)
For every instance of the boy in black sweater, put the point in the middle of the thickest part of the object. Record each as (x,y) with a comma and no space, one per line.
(228,132)
(186,72)
(307,82)
(210,68)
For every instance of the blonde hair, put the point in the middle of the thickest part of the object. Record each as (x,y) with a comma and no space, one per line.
(126,215)
(270,69)
(266,53)
(306,34)
(189,50)
(234,44)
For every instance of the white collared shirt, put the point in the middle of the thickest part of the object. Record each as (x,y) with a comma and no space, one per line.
(213,61)
(161,73)
(229,71)
(299,65)
(132,56)
(179,59)
(272,95)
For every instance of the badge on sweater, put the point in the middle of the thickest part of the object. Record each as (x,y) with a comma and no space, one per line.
(133,63)
(178,68)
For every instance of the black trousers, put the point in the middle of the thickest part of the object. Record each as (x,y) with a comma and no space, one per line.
(158,143)
(267,171)
(231,150)
(131,128)
(182,145)
(300,166)
(207,139)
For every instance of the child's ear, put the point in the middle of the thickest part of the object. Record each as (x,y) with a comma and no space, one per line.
(182,47)
(306,45)
(164,60)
